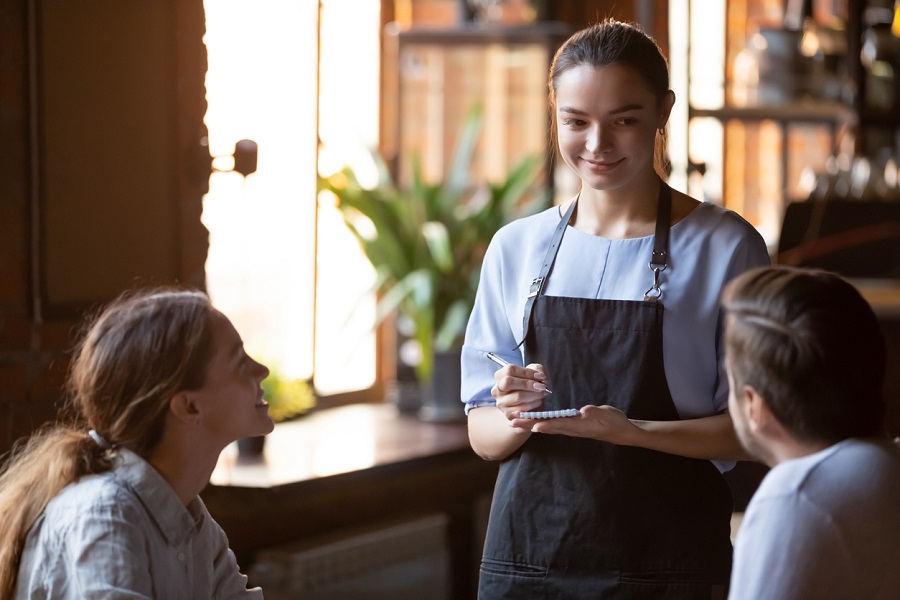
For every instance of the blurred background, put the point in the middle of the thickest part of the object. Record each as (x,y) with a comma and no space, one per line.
(233,146)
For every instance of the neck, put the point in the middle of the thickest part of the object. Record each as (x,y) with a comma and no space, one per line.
(621,213)
(790,449)
(184,464)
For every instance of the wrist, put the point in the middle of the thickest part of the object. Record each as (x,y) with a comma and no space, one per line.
(637,434)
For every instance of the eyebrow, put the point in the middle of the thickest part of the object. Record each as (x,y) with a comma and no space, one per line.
(615,111)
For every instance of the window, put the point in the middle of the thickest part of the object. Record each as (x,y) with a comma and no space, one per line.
(289,74)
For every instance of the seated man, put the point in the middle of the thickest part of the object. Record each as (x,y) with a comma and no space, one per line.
(806,360)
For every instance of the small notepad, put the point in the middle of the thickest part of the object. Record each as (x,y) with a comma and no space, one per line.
(549,414)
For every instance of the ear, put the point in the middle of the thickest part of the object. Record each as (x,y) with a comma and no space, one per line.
(759,417)
(665,108)
(184,408)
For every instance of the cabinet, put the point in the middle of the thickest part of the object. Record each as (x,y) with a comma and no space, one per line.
(439,74)
(781,94)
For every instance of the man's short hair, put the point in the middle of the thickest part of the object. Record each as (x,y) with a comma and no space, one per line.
(811,346)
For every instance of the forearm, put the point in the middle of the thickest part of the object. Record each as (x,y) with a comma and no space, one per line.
(710,438)
(490,433)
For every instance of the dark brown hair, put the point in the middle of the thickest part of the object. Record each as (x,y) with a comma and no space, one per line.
(812,347)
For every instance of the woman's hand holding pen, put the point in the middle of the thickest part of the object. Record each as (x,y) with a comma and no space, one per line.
(519,389)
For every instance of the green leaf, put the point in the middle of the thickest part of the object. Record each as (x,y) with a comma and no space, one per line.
(453,327)
(438,241)
(458,177)
(430,238)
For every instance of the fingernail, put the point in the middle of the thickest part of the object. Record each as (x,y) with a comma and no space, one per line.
(540,387)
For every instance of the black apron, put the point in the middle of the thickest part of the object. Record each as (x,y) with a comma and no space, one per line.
(579,518)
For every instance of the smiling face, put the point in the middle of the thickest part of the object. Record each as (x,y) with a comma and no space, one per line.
(231,401)
(606,121)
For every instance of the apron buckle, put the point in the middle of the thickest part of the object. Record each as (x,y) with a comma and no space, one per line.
(655,292)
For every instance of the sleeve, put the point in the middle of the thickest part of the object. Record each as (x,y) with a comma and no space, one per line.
(786,548)
(108,555)
(228,581)
(488,329)
(751,253)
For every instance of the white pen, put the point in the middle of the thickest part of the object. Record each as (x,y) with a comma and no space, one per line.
(503,363)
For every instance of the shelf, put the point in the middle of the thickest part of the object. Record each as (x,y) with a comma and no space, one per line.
(541,33)
(440,74)
(816,112)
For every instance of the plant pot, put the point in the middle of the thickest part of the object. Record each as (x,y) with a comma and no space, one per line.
(405,395)
(441,400)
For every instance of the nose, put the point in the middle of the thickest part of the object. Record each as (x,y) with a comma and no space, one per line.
(598,140)
(262,370)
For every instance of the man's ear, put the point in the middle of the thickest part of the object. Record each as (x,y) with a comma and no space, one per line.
(184,408)
(759,416)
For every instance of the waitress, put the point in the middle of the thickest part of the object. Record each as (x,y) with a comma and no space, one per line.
(611,301)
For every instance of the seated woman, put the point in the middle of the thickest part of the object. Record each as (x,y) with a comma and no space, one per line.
(107,505)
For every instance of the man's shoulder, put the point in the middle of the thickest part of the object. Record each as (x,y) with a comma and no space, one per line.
(851,473)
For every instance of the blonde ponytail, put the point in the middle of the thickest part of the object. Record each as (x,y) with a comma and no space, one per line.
(32,476)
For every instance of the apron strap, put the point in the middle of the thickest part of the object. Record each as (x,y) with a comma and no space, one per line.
(537,284)
(663,221)
(658,260)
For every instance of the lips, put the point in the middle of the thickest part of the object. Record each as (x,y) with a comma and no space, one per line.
(602,165)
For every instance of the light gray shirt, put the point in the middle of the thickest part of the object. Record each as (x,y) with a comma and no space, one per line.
(823,526)
(126,534)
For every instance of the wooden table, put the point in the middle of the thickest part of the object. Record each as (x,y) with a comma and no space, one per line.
(348,467)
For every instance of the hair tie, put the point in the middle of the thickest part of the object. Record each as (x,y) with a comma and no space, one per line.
(99,439)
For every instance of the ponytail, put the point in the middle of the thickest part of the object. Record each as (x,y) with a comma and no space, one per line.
(34,473)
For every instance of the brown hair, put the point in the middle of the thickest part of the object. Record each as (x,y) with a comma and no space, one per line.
(812,347)
(132,358)
(612,42)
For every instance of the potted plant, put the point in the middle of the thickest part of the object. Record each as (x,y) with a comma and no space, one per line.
(428,244)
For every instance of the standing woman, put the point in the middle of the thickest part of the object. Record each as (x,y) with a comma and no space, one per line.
(108,506)
(612,302)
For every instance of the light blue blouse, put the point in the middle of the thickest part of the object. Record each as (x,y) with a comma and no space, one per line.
(707,248)
(126,534)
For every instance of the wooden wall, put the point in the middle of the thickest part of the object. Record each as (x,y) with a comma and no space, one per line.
(103,172)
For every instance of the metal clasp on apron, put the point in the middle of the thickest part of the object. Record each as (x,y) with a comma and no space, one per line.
(654,294)
(536,284)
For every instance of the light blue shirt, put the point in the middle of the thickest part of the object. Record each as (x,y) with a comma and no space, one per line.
(707,248)
(126,534)
(825,525)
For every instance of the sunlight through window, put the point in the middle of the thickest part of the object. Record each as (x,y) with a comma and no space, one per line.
(298,309)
